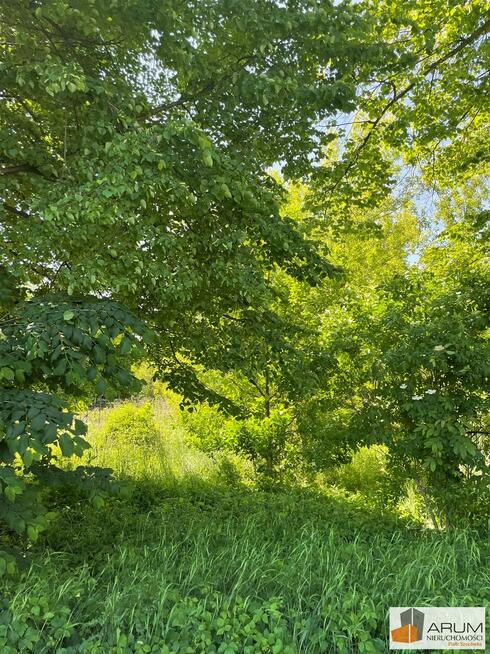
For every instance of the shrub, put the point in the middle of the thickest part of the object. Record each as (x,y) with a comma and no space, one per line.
(268,443)
(209,429)
(366,473)
(130,424)
(56,352)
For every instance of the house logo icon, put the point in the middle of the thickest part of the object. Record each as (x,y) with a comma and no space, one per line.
(412,627)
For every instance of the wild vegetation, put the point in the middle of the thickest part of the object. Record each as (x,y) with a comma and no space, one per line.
(192,557)
(244,321)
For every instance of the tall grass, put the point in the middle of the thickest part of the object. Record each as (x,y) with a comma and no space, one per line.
(166,457)
(191,564)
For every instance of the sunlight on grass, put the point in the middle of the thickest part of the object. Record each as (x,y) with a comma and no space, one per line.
(166,457)
(198,560)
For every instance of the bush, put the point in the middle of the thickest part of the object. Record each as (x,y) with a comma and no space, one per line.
(209,429)
(268,443)
(130,424)
(366,473)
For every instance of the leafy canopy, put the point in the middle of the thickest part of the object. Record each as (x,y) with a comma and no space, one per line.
(134,139)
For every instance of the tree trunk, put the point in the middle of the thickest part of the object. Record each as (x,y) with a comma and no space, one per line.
(427,501)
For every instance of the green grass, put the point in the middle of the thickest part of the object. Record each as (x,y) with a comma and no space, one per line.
(191,564)
(166,458)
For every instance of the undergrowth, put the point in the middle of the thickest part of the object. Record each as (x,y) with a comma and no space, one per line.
(194,558)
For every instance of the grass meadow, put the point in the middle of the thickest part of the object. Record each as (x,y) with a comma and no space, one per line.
(192,557)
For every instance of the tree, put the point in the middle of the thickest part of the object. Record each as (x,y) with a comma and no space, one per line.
(428,113)
(51,350)
(134,143)
(135,140)
(291,387)
(420,346)
(427,106)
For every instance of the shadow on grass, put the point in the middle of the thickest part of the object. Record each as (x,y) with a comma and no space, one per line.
(182,508)
(176,560)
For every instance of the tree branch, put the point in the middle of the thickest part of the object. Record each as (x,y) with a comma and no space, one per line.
(17,212)
(19,168)
(207,88)
(399,95)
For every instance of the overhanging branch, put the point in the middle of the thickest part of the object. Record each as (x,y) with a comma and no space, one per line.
(399,95)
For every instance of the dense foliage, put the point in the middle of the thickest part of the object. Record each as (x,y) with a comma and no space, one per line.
(419,357)
(315,308)
(134,142)
(52,349)
(189,563)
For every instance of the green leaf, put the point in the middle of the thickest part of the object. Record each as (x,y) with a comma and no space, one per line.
(207,158)
(38,422)
(7,374)
(32,533)
(125,345)
(100,387)
(27,458)
(66,444)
